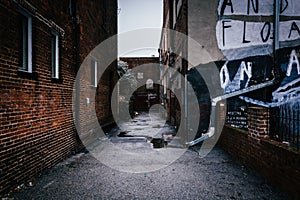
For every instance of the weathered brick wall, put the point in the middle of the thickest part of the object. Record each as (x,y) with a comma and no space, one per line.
(182,27)
(103,97)
(36,113)
(277,162)
(149,71)
(36,116)
(258,122)
(98,22)
(175,18)
(136,61)
(149,67)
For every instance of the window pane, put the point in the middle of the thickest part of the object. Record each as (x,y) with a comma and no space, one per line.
(24,49)
(149,84)
(53,53)
(93,73)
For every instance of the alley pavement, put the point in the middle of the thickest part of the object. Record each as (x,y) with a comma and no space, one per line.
(216,176)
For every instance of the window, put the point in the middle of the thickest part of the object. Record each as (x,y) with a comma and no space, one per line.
(26,43)
(140,75)
(55,55)
(94,73)
(149,84)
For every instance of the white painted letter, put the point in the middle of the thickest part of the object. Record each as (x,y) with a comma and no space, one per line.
(224,73)
(293,60)
(247,70)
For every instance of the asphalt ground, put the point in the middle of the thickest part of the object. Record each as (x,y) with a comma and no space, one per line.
(216,176)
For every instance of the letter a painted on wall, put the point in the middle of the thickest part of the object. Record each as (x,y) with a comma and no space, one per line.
(293,60)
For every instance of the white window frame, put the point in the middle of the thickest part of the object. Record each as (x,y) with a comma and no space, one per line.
(94,65)
(149,84)
(29,43)
(55,67)
(140,75)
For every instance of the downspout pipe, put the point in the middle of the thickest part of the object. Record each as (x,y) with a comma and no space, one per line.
(216,100)
(277,69)
(73,6)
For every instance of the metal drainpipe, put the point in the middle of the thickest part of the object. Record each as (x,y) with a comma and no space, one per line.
(211,130)
(76,33)
(277,70)
(186,105)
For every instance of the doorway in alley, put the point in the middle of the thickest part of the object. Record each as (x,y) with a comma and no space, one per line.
(144,100)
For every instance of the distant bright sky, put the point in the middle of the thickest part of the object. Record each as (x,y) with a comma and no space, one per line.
(139,14)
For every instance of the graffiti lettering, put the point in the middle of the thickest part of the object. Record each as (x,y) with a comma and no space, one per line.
(288,91)
(246,69)
(243,70)
(293,60)
(294,27)
(236,34)
(224,76)
(283,6)
(254,6)
(223,28)
(258,7)
(226,3)
(253,36)
(265,32)
(244,34)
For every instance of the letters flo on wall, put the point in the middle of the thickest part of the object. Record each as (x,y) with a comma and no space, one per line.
(247,26)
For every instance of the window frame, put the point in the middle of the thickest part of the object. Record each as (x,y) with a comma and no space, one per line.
(55,65)
(26,28)
(94,72)
(149,84)
(140,75)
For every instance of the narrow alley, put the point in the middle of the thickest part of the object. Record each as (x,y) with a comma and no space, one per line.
(150,99)
(216,176)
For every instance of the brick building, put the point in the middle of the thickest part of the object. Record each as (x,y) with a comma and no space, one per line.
(181,20)
(148,76)
(241,49)
(248,52)
(43,44)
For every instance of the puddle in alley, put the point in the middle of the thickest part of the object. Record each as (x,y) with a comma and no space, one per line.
(145,128)
(143,144)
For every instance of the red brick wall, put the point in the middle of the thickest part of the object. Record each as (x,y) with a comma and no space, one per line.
(258,122)
(277,162)
(136,61)
(36,117)
(178,47)
(94,29)
(36,113)
(149,72)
